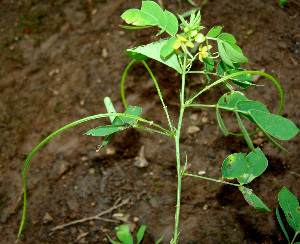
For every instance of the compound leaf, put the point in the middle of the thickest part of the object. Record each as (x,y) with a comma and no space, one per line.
(234,165)
(256,165)
(252,199)
(290,207)
(277,126)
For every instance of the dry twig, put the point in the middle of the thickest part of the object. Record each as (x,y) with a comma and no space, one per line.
(95,217)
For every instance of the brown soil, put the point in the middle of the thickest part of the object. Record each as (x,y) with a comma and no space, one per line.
(59,59)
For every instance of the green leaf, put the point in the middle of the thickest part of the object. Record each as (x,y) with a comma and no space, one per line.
(244,107)
(159,240)
(220,122)
(105,142)
(222,67)
(152,50)
(229,100)
(135,27)
(138,17)
(110,108)
(234,52)
(132,110)
(227,38)
(172,26)
(140,233)
(153,9)
(245,133)
(252,199)
(290,207)
(281,3)
(123,234)
(243,81)
(223,53)
(168,49)
(256,165)
(112,241)
(106,130)
(136,56)
(272,140)
(234,165)
(209,64)
(277,126)
(214,31)
(281,225)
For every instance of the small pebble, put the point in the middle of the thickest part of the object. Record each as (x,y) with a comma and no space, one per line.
(193,129)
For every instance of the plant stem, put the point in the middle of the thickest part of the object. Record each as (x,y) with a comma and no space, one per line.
(177,143)
(297,232)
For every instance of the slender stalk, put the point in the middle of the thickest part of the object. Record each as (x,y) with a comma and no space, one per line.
(297,232)
(123,81)
(242,73)
(206,178)
(177,143)
(159,93)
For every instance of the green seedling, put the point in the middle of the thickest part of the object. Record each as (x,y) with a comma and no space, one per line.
(282,3)
(291,208)
(189,43)
(124,235)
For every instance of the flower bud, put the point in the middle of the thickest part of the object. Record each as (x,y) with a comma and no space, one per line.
(186,29)
(194,33)
(200,38)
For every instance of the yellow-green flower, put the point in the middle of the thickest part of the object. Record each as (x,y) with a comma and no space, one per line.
(203,52)
(180,41)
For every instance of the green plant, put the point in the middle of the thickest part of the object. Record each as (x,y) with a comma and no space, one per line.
(291,209)
(124,235)
(282,3)
(180,52)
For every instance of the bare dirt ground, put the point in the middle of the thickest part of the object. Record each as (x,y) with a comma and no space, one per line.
(59,59)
